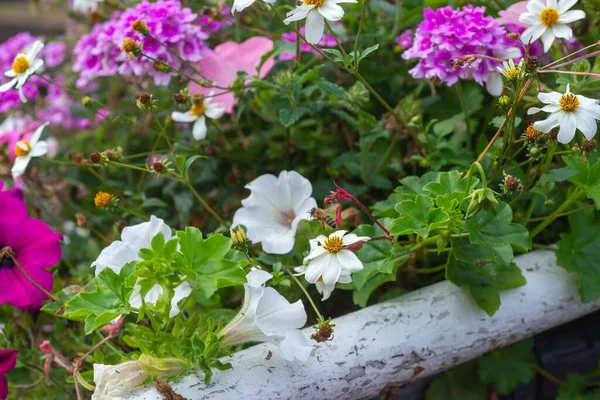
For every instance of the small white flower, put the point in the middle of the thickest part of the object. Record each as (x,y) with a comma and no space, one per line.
(315,12)
(570,112)
(510,70)
(274,208)
(121,252)
(549,21)
(116,382)
(24,65)
(239,5)
(330,262)
(26,149)
(494,83)
(266,316)
(201,110)
(86,6)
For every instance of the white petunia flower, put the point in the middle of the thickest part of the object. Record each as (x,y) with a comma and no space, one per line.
(27,149)
(115,382)
(239,5)
(315,12)
(274,208)
(570,112)
(121,252)
(86,6)
(201,110)
(24,65)
(549,21)
(266,316)
(330,261)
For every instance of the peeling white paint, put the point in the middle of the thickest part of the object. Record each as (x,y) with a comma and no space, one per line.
(399,341)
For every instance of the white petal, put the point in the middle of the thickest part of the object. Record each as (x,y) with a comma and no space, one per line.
(140,236)
(39,149)
(513,52)
(294,347)
(551,4)
(349,261)
(562,31)
(547,39)
(592,109)
(35,49)
(494,84)
(21,94)
(315,24)
(533,33)
(239,5)
(181,292)
(316,267)
(571,16)
(200,129)
(258,277)
(338,234)
(547,124)
(316,252)
(331,270)
(10,73)
(298,13)
(586,123)
(536,7)
(351,238)
(114,256)
(20,166)
(326,290)
(35,65)
(214,111)
(530,18)
(275,315)
(330,10)
(568,125)
(37,134)
(8,85)
(550,98)
(585,101)
(564,5)
(183,117)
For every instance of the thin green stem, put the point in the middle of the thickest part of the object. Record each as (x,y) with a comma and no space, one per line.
(163,131)
(301,286)
(205,204)
(535,219)
(431,270)
(337,40)
(360,28)
(548,376)
(572,198)
(463,104)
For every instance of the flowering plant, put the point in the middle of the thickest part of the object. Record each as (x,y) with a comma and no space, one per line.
(178,183)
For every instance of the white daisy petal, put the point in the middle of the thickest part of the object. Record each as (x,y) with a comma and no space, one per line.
(551,4)
(535,7)
(331,10)
(550,98)
(349,260)
(586,123)
(200,129)
(564,5)
(530,18)
(562,31)
(571,16)
(547,124)
(547,39)
(533,33)
(315,25)
(183,117)
(298,13)
(568,125)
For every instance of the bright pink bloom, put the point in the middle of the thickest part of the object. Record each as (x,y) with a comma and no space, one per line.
(8,360)
(222,65)
(511,14)
(36,248)
(405,39)
(326,41)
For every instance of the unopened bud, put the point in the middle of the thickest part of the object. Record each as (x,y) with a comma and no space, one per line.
(504,101)
(162,366)
(513,36)
(141,27)
(144,100)
(589,145)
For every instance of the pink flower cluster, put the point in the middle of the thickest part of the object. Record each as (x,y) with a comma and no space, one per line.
(36,248)
(446,34)
(326,41)
(98,53)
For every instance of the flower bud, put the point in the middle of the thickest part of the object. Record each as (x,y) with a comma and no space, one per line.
(132,47)
(504,101)
(162,366)
(532,134)
(145,101)
(105,200)
(141,27)
(513,36)
(511,183)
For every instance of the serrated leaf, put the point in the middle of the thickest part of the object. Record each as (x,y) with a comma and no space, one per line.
(575,389)
(289,116)
(204,261)
(577,252)
(588,177)
(413,217)
(508,367)
(449,183)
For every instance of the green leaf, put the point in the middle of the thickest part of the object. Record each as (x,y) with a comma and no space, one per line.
(413,217)
(577,252)
(575,389)
(108,300)
(588,177)
(368,51)
(460,383)
(289,116)
(499,232)
(449,183)
(203,260)
(508,367)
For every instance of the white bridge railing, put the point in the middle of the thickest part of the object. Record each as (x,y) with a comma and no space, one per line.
(399,341)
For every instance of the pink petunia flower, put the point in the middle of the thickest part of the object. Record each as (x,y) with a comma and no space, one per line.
(226,60)
(511,15)
(8,360)
(36,248)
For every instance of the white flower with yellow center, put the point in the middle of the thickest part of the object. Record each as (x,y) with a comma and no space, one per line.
(274,209)
(510,70)
(549,21)
(330,261)
(239,5)
(24,65)
(266,316)
(315,12)
(27,149)
(570,112)
(201,110)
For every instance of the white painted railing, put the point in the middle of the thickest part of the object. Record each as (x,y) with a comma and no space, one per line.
(399,341)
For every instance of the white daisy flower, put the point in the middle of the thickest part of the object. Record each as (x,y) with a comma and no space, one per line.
(330,261)
(121,252)
(274,208)
(201,110)
(239,5)
(315,12)
(24,65)
(570,112)
(510,70)
(549,21)
(86,6)
(494,83)
(27,149)
(266,316)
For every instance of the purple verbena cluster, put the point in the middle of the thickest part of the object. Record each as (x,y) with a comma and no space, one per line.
(446,34)
(98,53)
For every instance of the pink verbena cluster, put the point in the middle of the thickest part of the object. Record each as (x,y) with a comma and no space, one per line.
(446,34)
(326,41)
(98,53)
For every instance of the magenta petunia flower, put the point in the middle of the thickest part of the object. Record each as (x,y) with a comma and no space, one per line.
(36,248)
(446,34)
(8,360)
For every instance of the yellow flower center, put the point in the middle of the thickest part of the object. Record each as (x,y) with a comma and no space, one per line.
(20,65)
(22,148)
(198,109)
(316,3)
(569,102)
(102,199)
(549,16)
(333,244)
(531,133)
(128,45)
(513,73)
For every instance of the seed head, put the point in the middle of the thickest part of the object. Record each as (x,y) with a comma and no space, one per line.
(531,133)
(96,157)
(132,47)
(324,331)
(511,183)
(144,100)
(589,145)
(141,27)
(158,167)
(105,200)
(532,63)
(181,98)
